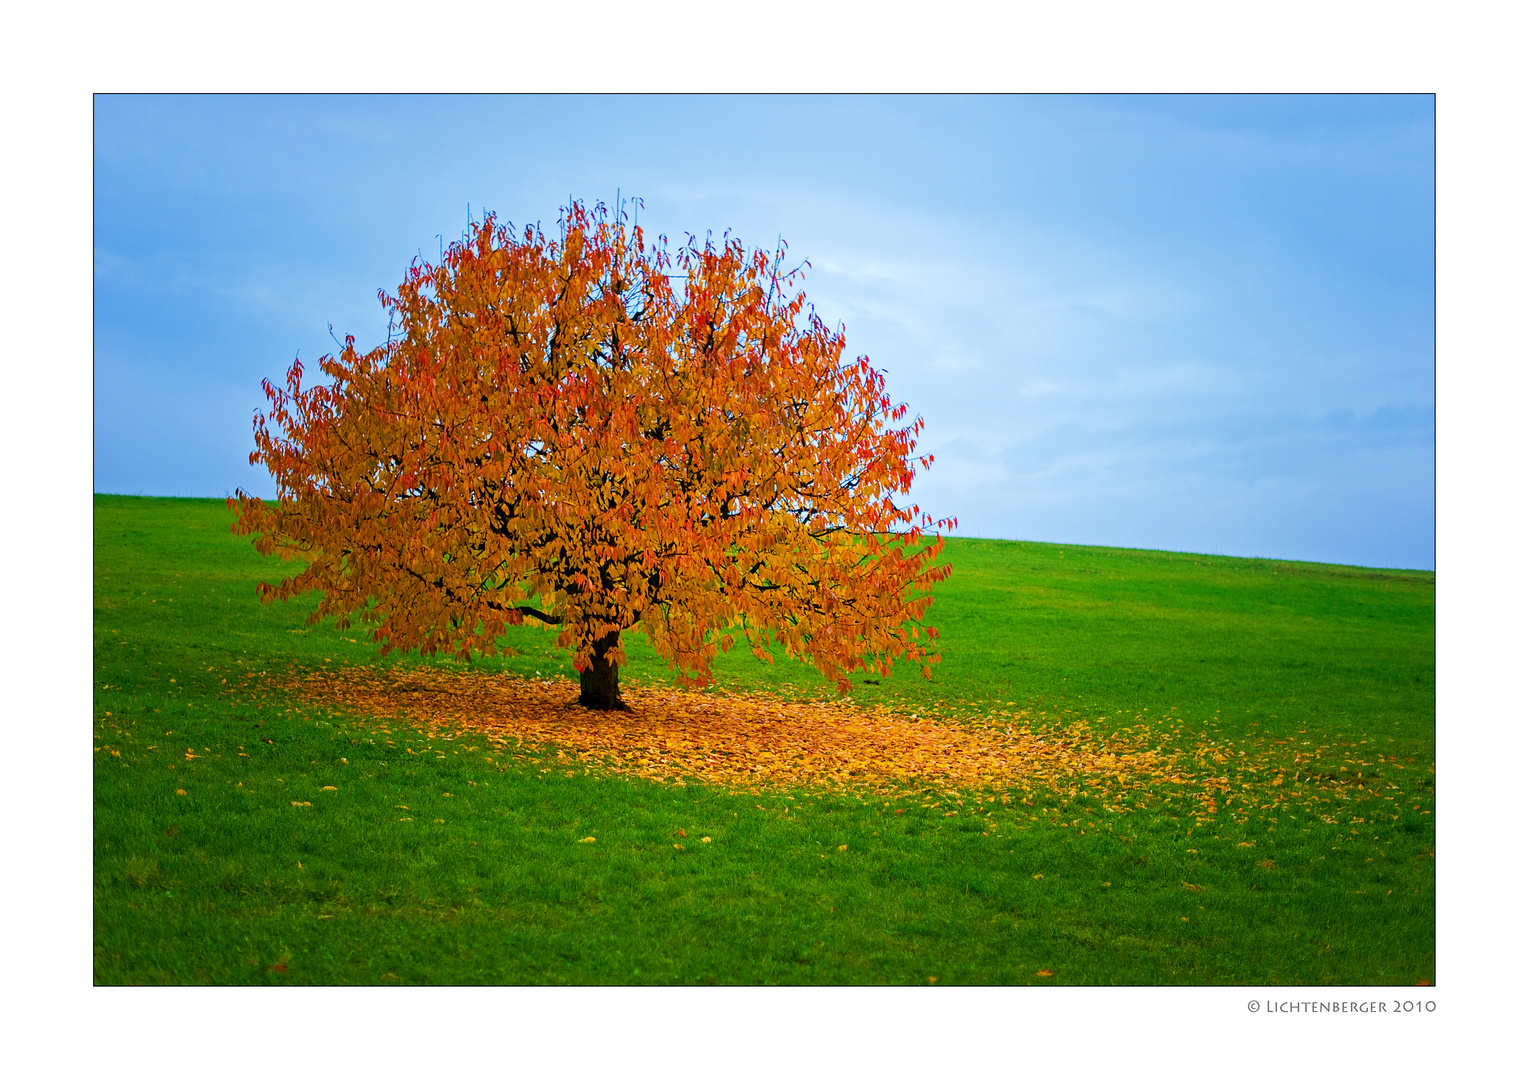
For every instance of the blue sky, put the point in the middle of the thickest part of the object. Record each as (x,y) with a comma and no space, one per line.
(1191,323)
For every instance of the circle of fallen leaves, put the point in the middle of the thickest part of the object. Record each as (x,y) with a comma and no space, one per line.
(752,741)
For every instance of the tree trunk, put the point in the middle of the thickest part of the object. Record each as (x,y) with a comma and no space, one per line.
(597,683)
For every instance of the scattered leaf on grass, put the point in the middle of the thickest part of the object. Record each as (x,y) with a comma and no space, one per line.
(180,791)
(591,840)
(1045,973)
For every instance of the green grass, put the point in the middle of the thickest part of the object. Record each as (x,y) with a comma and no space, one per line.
(233,884)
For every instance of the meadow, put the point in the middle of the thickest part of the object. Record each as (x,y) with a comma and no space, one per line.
(1240,789)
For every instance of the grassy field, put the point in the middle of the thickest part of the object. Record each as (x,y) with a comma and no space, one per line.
(246,836)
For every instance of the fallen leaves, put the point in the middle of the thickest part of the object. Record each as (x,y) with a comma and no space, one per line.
(756,742)
(739,740)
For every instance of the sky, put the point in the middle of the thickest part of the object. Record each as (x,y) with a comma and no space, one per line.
(1176,322)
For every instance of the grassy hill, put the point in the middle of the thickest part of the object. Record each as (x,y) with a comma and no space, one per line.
(246,836)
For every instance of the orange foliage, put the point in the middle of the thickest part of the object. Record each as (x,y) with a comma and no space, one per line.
(556,431)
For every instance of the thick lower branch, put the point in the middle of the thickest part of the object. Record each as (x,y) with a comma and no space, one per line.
(553,620)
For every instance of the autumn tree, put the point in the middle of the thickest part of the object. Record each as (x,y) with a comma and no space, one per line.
(587,431)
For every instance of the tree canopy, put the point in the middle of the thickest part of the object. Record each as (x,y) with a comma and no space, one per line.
(585,430)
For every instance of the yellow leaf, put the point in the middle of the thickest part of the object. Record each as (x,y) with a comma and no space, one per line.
(591,840)
(180,791)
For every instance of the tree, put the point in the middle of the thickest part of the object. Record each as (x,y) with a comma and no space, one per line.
(556,432)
